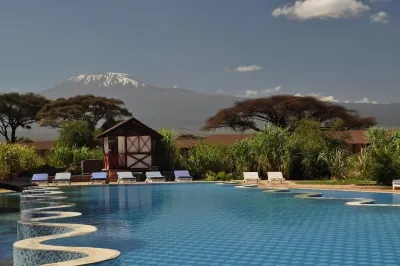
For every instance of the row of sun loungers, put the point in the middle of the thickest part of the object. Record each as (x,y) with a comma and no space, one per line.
(100,177)
(153,176)
(253,176)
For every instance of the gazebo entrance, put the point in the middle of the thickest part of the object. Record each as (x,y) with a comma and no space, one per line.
(130,145)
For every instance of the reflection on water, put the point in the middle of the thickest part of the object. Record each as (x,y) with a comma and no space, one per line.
(396,198)
(9,202)
(9,215)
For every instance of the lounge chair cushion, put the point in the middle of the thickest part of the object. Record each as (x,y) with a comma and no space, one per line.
(99,175)
(125,175)
(182,174)
(40,177)
(154,175)
(62,176)
(275,176)
(251,176)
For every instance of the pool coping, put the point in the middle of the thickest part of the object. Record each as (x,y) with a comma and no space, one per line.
(92,255)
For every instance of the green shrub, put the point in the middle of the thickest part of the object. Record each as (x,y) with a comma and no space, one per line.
(63,156)
(168,150)
(309,143)
(205,157)
(383,155)
(75,134)
(273,150)
(17,157)
(222,176)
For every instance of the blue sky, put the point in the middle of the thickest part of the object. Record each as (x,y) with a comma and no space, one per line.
(341,48)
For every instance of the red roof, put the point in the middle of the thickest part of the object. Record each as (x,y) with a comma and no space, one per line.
(40,145)
(227,139)
(351,137)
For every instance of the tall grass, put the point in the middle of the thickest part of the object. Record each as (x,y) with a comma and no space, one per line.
(168,149)
(204,158)
(15,158)
(337,162)
(383,155)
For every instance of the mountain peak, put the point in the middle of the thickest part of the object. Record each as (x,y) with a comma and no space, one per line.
(107,79)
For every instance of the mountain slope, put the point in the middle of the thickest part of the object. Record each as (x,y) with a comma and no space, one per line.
(174,108)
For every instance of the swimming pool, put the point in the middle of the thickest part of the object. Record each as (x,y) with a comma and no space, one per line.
(208,224)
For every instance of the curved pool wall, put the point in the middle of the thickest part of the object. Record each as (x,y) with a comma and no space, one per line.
(203,224)
(320,196)
(39,206)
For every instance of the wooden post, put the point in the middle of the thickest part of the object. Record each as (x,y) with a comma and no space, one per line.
(126,153)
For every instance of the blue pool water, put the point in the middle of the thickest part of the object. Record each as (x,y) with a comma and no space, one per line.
(208,224)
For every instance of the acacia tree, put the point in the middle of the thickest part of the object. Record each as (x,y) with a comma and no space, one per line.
(18,110)
(285,111)
(88,108)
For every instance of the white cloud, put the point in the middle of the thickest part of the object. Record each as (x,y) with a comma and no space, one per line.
(261,93)
(249,93)
(321,9)
(380,17)
(175,86)
(247,68)
(322,98)
(333,99)
(276,89)
(366,100)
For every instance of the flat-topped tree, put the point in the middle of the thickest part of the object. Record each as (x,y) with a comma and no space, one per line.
(285,111)
(18,110)
(88,108)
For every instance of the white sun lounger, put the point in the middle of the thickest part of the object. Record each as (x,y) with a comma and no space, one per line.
(182,175)
(40,178)
(251,176)
(98,177)
(275,176)
(126,176)
(154,176)
(396,183)
(62,177)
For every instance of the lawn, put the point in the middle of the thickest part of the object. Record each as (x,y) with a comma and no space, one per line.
(358,182)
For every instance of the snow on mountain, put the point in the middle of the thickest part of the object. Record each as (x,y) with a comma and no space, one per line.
(107,80)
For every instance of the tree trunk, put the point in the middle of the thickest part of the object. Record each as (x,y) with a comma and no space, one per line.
(13,135)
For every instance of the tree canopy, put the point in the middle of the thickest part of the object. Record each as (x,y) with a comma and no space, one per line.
(75,134)
(18,110)
(88,108)
(285,111)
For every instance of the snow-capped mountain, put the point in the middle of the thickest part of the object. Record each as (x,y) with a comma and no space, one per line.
(174,108)
(107,80)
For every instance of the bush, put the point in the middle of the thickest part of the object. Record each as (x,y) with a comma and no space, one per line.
(383,155)
(17,157)
(75,134)
(273,150)
(63,156)
(168,150)
(205,157)
(309,143)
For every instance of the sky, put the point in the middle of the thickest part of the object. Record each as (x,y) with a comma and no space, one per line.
(338,50)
